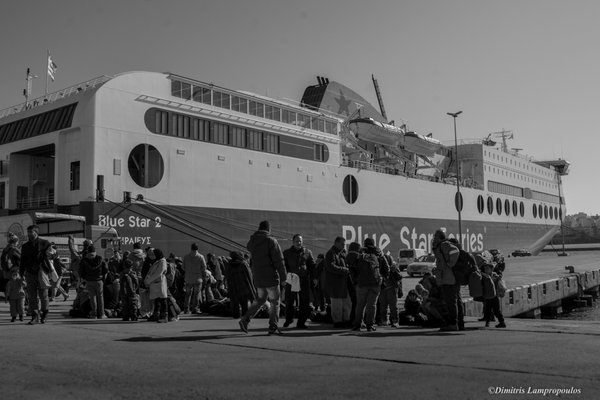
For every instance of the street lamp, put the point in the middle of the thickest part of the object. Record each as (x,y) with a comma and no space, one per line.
(458,201)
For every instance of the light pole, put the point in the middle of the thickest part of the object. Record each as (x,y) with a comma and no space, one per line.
(458,201)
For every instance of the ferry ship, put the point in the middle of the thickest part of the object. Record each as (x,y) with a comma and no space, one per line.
(167,160)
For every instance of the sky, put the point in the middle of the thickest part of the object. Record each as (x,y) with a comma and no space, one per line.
(531,67)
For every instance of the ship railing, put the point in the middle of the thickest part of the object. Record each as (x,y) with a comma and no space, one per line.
(35,202)
(51,97)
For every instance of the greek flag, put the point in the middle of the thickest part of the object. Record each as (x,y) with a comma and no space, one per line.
(51,68)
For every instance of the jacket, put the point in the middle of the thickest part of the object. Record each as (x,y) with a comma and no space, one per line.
(11,259)
(336,274)
(128,285)
(15,289)
(239,280)
(489,287)
(268,268)
(194,266)
(370,267)
(446,255)
(300,262)
(31,256)
(156,280)
(93,269)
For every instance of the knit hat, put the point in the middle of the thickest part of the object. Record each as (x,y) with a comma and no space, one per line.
(369,242)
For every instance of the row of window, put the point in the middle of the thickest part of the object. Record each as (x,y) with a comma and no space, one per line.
(510,190)
(521,177)
(525,165)
(514,208)
(206,95)
(39,124)
(184,126)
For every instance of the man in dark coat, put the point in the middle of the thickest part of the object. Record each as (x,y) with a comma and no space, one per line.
(336,283)
(269,273)
(32,255)
(240,287)
(299,261)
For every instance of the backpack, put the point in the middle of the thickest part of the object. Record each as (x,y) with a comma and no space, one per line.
(368,263)
(464,267)
(170,275)
(475,284)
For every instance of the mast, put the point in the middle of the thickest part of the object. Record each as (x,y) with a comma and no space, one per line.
(379,98)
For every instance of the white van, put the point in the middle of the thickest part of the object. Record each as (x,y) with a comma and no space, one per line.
(407,256)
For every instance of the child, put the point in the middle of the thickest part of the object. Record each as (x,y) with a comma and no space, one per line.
(489,281)
(15,294)
(128,292)
(392,284)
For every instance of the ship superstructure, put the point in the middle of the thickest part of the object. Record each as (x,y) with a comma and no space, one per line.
(167,160)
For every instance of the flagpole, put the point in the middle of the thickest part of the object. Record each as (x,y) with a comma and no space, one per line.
(47,66)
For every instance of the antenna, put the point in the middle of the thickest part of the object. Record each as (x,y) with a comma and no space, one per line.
(504,134)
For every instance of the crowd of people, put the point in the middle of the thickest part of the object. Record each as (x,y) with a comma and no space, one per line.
(357,287)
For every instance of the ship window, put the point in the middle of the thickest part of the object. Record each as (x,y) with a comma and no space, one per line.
(541,211)
(146,165)
(239,104)
(238,136)
(522,209)
(181,89)
(271,143)
(161,122)
(220,133)
(534,209)
(202,95)
(490,205)
(499,206)
(329,127)
(319,152)
(221,100)
(546,212)
(303,121)
(320,125)
(560,213)
(254,140)
(350,189)
(273,113)
(551,212)
(507,207)
(515,208)
(480,204)
(289,117)
(75,175)
(257,108)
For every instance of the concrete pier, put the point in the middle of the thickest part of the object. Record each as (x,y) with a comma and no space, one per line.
(206,357)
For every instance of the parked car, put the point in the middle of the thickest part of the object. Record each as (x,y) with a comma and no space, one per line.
(423,264)
(407,256)
(521,253)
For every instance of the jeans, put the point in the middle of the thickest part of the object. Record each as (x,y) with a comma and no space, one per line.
(492,306)
(303,297)
(366,304)
(389,297)
(272,294)
(96,292)
(193,295)
(36,294)
(451,296)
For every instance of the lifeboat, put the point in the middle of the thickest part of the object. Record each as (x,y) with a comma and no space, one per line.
(369,130)
(420,144)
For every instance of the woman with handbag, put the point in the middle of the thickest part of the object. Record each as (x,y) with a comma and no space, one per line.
(56,277)
(156,281)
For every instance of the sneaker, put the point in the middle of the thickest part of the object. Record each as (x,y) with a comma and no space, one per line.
(243,325)
(371,328)
(356,328)
(20,318)
(501,325)
(287,323)
(13,319)
(393,325)
(275,331)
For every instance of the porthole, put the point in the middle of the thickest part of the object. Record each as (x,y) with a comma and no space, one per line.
(551,212)
(499,206)
(541,211)
(490,205)
(556,213)
(507,207)
(350,189)
(146,165)
(560,213)
(480,204)
(514,208)
(534,211)
(522,209)
(546,212)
